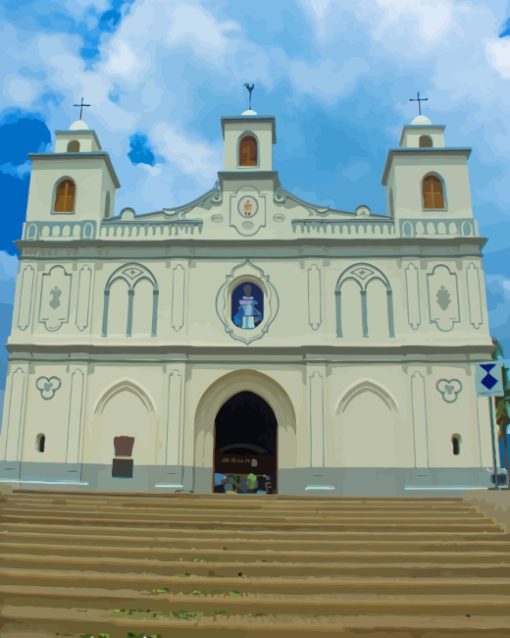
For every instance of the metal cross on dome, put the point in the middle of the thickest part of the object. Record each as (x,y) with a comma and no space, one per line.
(419,100)
(81,105)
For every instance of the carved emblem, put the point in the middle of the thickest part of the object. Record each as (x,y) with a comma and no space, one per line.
(132,272)
(248,206)
(217,218)
(443,298)
(362,273)
(48,387)
(449,389)
(55,293)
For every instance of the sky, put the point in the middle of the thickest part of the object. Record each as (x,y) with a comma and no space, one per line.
(336,74)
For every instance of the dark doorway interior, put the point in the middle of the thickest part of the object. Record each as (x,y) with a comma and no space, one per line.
(245,444)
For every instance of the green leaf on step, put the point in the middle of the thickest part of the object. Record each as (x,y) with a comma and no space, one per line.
(161,590)
(197,592)
(234,593)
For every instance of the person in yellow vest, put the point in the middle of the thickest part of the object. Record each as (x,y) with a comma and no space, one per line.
(252,483)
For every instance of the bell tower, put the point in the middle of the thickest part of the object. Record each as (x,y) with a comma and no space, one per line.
(425,178)
(76,182)
(248,150)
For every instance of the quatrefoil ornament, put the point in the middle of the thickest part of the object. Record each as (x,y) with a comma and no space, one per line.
(48,387)
(449,389)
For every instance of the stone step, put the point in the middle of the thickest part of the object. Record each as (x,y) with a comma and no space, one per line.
(170,531)
(392,543)
(225,567)
(298,584)
(57,491)
(242,513)
(269,554)
(234,602)
(253,523)
(251,501)
(220,625)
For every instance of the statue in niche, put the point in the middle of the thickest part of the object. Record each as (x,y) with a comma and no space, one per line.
(247,306)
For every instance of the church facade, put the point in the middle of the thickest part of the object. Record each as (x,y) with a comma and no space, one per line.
(249,331)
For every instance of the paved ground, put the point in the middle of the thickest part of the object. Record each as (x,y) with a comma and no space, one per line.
(249,566)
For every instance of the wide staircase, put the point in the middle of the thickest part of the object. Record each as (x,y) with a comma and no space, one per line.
(249,566)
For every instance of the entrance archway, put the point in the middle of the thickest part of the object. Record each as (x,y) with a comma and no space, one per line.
(245,445)
(212,400)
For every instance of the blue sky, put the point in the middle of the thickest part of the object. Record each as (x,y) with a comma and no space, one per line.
(337,75)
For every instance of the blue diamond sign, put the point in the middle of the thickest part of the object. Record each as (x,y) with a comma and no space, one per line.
(489,379)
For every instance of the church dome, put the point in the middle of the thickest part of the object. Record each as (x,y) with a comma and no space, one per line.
(78,125)
(421,120)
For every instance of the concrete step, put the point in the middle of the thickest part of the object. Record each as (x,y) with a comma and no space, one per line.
(234,602)
(225,567)
(164,513)
(268,554)
(182,531)
(297,584)
(240,541)
(251,522)
(248,502)
(220,625)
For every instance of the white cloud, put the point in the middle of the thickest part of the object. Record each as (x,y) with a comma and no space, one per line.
(19,91)
(327,79)
(191,156)
(430,20)
(498,54)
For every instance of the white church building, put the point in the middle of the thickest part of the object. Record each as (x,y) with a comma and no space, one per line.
(249,331)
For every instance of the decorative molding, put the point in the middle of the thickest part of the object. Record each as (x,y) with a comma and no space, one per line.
(449,389)
(420,422)
(48,386)
(239,274)
(75,416)
(314,297)
(443,297)
(247,202)
(474,296)
(413,296)
(26,297)
(366,385)
(55,298)
(121,386)
(174,433)
(132,274)
(83,299)
(178,296)
(14,415)
(363,274)
(316,418)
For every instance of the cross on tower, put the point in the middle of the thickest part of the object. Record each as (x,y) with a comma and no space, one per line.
(419,100)
(81,105)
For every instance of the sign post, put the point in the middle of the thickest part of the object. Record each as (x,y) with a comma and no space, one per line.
(489,383)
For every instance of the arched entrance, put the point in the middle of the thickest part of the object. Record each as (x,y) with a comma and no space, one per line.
(245,445)
(215,396)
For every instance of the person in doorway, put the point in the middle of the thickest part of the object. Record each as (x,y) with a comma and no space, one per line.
(252,483)
(219,480)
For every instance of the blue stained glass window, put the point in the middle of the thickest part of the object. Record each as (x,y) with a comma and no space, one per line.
(247,305)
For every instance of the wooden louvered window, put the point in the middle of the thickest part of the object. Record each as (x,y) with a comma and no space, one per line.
(64,197)
(248,151)
(433,195)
